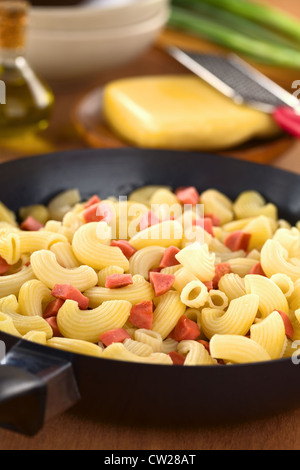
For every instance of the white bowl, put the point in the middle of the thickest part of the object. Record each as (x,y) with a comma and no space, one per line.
(98,15)
(78,55)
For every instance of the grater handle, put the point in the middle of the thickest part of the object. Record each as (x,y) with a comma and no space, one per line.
(288,119)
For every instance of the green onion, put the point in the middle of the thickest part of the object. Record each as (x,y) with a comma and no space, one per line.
(211,11)
(260,13)
(262,51)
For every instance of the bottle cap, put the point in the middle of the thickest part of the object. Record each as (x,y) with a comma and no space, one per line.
(13,22)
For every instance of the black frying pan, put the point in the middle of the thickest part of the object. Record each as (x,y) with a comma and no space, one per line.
(37,382)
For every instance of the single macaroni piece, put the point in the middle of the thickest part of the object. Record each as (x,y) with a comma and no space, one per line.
(237,320)
(134,293)
(26,324)
(295,321)
(294,300)
(145,259)
(274,260)
(7,215)
(138,348)
(218,204)
(7,325)
(261,229)
(75,346)
(46,269)
(270,334)
(23,324)
(241,266)
(88,325)
(90,247)
(39,337)
(6,228)
(65,255)
(12,283)
(33,296)
(163,196)
(217,299)
(164,234)
(150,338)
(252,204)
(171,269)
(290,240)
(117,351)
(167,313)
(169,345)
(254,254)
(193,314)
(194,294)
(70,224)
(63,203)
(182,278)
(198,260)
(144,194)
(195,354)
(270,295)
(14,245)
(284,283)
(237,349)
(232,285)
(231,256)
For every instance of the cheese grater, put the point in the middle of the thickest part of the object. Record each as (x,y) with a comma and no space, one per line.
(243,84)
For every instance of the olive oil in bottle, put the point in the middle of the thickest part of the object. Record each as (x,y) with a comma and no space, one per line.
(28,100)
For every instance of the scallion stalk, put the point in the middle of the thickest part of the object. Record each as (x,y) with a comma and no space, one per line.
(224,36)
(243,25)
(262,14)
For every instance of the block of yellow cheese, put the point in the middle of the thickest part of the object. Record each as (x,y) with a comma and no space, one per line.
(180,112)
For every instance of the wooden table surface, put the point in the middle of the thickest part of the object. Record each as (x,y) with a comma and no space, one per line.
(70,432)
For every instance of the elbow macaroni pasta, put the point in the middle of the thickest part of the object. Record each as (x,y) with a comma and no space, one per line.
(238,315)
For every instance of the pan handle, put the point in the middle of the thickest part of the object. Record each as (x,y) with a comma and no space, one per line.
(34,387)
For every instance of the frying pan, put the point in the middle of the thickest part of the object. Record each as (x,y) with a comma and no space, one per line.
(37,382)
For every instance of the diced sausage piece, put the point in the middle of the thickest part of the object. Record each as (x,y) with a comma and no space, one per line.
(238,241)
(53,308)
(4,266)
(289,330)
(155,270)
(91,214)
(147,220)
(68,292)
(188,195)
(185,330)
(127,249)
(161,283)
(116,281)
(206,224)
(205,344)
(178,359)
(53,323)
(168,258)
(117,335)
(220,271)
(141,315)
(31,225)
(257,269)
(216,221)
(92,201)
(98,213)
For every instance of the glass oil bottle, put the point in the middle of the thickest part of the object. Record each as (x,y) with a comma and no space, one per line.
(28,101)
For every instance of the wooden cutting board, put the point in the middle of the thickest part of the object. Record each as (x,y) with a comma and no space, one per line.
(88,118)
